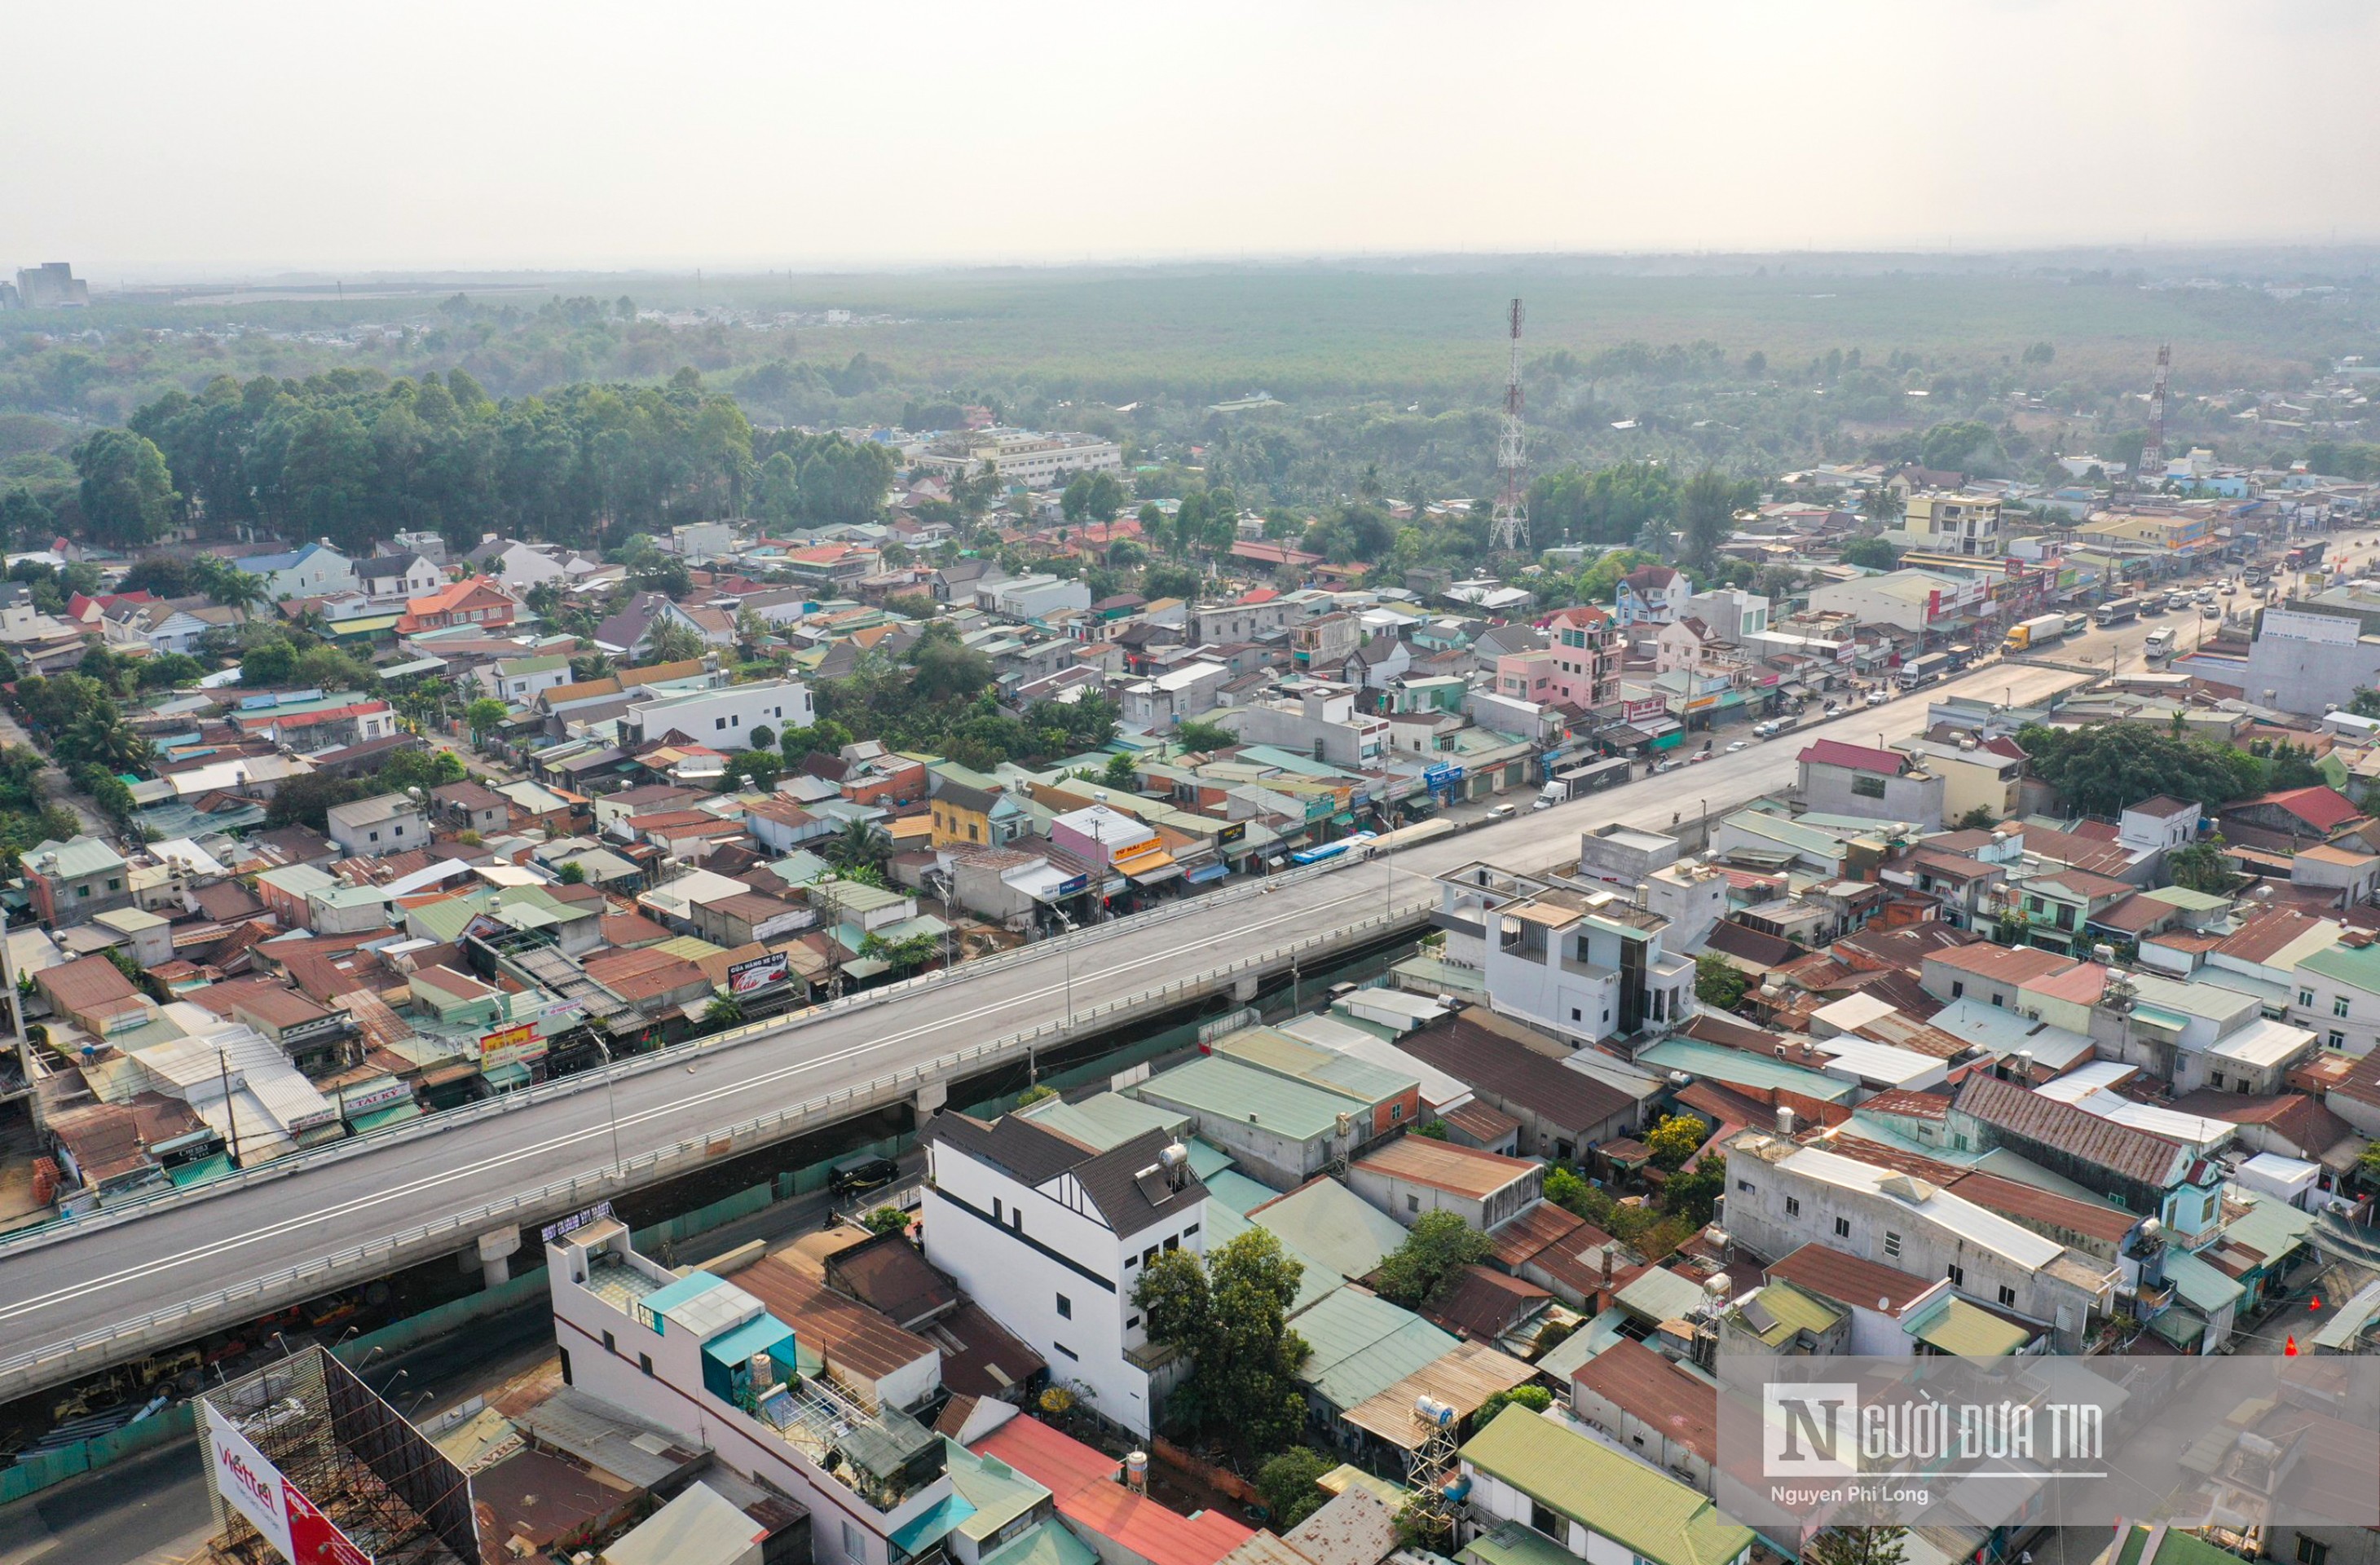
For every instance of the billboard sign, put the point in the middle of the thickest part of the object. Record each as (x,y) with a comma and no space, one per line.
(574,1222)
(507,1037)
(760,973)
(254,1486)
(1236,832)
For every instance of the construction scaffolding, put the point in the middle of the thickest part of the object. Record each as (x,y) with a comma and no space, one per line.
(345,1455)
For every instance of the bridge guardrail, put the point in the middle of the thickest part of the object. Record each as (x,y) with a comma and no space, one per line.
(126,1210)
(50,1364)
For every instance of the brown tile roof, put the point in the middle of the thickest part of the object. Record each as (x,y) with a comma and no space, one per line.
(1848,1280)
(2082,984)
(857,1340)
(1541,1225)
(1910,1104)
(643,974)
(1656,1392)
(2042,1209)
(1471,1051)
(886,1273)
(1482,1305)
(265,999)
(1905,947)
(980,1357)
(89,986)
(2306,1122)
(2134,915)
(1462,1170)
(2077,1132)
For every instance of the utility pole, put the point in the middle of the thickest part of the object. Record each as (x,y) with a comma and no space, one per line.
(1509,528)
(231,1113)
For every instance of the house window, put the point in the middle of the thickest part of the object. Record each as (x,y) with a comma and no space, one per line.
(1957,1274)
(2305,997)
(1842,1228)
(645,1362)
(1868,785)
(1065,1350)
(1065,1308)
(610,1344)
(116,885)
(2338,1039)
(1396,1112)
(375,836)
(1793,1205)
(719,722)
(1744,1186)
(1131,1323)
(995,1209)
(83,890)
(2008,1295)
(2311,1551)
(1891,1242)
(1190,1230)
(1575,1014)
(2338,1005)
(1017,1219)
(1958,988)
(2216,1078)
(1413,1202)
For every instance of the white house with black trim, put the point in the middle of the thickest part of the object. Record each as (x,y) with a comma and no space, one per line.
(1052,1236)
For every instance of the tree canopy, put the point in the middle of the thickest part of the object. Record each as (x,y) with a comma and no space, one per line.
(1436,1249)
(2104,767)
(1228,1314)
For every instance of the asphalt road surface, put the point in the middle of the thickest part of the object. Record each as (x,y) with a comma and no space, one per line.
(80,1284)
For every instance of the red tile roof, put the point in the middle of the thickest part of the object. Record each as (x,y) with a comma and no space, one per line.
(1089,1492)
(2322,809)
(1858,757)
(1654,1391)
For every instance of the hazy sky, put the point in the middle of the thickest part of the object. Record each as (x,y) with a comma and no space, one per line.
(149,141)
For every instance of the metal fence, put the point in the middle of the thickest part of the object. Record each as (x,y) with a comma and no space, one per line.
(128,1208)
(191,1317)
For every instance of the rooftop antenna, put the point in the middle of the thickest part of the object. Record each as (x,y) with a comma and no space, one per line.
(1509,527)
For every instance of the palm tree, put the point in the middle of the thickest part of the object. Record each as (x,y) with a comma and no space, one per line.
(673,641)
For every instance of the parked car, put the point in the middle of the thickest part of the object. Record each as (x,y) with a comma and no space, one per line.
(855,1176)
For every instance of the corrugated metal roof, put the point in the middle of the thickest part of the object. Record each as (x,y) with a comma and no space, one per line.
(1330,1222)
(1626,1500)
(1359,1345)
(1466,1377)
(2007,1107)
(1238,1092)
(1962,1330)
(1314,1279)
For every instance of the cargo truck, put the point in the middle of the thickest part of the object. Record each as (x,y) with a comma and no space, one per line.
(2027,636)
(1924,670)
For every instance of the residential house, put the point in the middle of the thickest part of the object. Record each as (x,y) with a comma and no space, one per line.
(962,813)
(723,717)
(474,600)
(517,681)
(1050,1238)
(314,570)
(1841,778)
(1651,595)
(1585,645)
(376,827)
(1415,1174)
(1586,966)
(395,578)
(1955,522)
(1540,1491)
(1562,1112)
(71,880)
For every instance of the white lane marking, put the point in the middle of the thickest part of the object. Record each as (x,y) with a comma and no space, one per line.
(1473,843)
(725,1090)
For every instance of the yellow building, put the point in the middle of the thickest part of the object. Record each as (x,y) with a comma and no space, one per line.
(963,814)
(2171,533)
(1953,523)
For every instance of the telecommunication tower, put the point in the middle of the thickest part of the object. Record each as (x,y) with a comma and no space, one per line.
(2151,469)
(1509,527)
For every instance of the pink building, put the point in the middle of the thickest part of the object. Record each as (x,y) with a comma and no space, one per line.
(1586,657)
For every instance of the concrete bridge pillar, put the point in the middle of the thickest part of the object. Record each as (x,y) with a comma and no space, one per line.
(931,1098)
(495,1252)
(1245,989)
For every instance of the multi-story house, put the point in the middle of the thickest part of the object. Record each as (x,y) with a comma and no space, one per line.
(723,718)
(1586,966)
(1781,1197)
(370,827)
(393,579)
(1052,1239)
(696,1354)
(1586,657)
(315,570)
(1953,523)
(1731,614)
(73,880)
(1651,595)
(2338,993)
(1321,645)
(472,601)
(1871,784)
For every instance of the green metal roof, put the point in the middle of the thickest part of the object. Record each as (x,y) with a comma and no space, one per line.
(1640,1508)
(1235,1190)
(1736,1067)
(2271,1227)
(1048,1544)
(1511,1544)
(1962,1330)
(2203,1288)
(1359,1345)
(1316,1280)
(76,857)
(998,1493)
(2348,964)
(1242,1093)
(1791,1311)
(1333,1224)
(1109,1119)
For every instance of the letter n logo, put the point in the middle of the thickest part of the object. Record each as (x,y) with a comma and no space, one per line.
(1807,1431)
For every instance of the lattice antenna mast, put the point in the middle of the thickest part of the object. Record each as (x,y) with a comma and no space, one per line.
(1509,529)
(2152,466)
